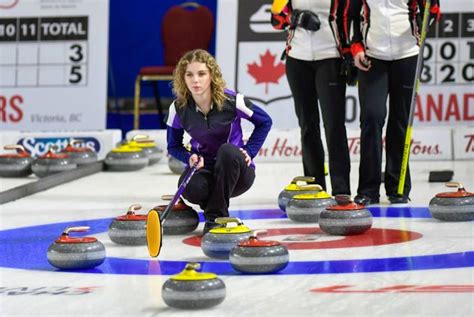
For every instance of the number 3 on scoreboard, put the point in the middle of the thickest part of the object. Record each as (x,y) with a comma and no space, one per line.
(76,57)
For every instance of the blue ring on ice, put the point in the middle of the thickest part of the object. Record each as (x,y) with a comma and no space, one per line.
(26,248)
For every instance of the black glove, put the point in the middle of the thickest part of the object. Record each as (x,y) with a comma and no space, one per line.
(306,19)
(348,69)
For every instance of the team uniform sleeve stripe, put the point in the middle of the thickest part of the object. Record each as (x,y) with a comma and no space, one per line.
(242,107)
(173,120)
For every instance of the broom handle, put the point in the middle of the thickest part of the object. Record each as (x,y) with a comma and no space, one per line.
(409,132)
(180,190)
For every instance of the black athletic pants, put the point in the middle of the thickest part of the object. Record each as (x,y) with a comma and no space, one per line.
(211,187)
(385,78)
(310,82)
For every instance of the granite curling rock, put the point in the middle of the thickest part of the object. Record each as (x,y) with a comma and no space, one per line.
(71,253)
(126,158)
(299,185)
(15,164)
(345,218)
(453,206)
(193,290)
(182,218)
(80,155)
(219,241)
(52,163)
(176,166)
(129,229)
(149,147)
(259,256)
(307,207)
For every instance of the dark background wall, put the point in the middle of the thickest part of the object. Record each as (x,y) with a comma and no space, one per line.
(135,41)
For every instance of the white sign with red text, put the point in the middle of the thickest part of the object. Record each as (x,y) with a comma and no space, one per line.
(53,65)
(463,139)
(427,145)
(249,49)
(284,145)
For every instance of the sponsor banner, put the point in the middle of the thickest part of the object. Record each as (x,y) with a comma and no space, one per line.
(463,140)
(249,49)
(427,145)
(38,143)
(53,65)
(284,145)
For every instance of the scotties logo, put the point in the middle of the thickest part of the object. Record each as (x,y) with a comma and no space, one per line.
(39,146)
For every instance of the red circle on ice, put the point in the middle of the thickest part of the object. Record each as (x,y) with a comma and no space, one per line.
(314,238)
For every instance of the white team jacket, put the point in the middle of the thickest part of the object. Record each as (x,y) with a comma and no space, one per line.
(387,29)
(310,46)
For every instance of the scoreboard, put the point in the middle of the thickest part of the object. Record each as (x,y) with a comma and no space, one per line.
(449,51)
(42,52)
(53,65)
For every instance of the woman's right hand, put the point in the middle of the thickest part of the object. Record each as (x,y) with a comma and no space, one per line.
(195,158)
(362,62)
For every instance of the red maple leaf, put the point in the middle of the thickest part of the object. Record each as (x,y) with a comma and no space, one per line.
(267,72)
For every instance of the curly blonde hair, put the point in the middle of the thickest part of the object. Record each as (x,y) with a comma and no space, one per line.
(180,89)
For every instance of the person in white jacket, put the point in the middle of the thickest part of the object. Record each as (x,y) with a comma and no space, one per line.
(385,49)
(317,72)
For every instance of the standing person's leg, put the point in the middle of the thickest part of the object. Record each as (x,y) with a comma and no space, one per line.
(373,90)
(331,89)
(232,177)
(401,80)
(301,77)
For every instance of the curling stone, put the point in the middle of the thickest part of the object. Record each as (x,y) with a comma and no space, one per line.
(218,242)
(149,147)
(129,229)
(76,253)
(453,206)
(182,218)
(80,155)
(126,158)
(17,164)
(345,218)
(176,166)
(52,163)
(307,207)
(259,256)
(193,290)
(299,185)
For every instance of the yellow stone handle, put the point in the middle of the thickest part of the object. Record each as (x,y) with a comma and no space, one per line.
(226,220)
(306,179)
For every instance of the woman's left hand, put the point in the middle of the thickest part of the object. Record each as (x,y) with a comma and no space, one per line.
(247,157)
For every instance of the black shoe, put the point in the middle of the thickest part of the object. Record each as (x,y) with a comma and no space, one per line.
(208,225)
(365,200)
(398,199)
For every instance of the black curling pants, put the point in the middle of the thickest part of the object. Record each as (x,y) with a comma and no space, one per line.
(310,82)
(385,78)
(211,187)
